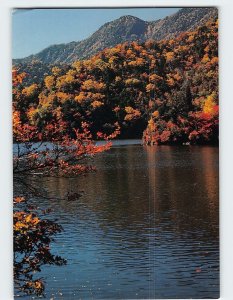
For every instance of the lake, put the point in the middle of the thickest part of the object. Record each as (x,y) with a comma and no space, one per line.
(147,226)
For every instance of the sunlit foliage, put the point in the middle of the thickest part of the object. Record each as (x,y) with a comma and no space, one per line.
(49,152)
(167,81)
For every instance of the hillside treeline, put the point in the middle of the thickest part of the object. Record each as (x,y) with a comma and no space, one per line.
(166,89)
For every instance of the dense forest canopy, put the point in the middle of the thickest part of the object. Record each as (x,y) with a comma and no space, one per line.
(166,89)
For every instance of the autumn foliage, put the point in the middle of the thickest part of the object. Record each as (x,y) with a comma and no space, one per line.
(32,238)
(165,92)
(130,84)
(49,152)
(191,113)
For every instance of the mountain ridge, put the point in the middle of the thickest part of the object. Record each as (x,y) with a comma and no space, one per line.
(126,28)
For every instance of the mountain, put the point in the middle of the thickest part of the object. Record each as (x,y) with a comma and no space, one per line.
(126,28)
(186,19)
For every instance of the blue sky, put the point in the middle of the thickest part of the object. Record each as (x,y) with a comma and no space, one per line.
(36,29)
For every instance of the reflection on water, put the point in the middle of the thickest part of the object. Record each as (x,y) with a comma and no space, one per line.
(146,226)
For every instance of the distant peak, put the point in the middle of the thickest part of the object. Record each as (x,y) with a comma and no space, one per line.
(129,18)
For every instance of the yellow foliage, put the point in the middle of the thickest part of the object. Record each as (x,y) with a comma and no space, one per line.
(209,105)
(90,84)
(63,96)
(150,87)
(140,61)
(137,47)
(137,62)
(155,78)
(171,42)
(181,48)
(129,53)
(16,122)
(88,64)
(44,100)
(112,59)
(205,59)
(151,125)
(24,221)
(69,79)
(191,38)
(30,90)
(169,56)
(31,114)
(61,82)
(38,284)
(113,51)
(77,65)
(132,63)
(129,109)
(20,225)
(96,96)
(56,71)
(96,104)
(132,81)
(214,60)
(131,113)
(28,218)
(81,97)
(177,77)
(71,72)
(155,114)
(99,63)
(49,82)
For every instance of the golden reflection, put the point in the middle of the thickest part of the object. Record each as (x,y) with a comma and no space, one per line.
(211,179)
(184,182)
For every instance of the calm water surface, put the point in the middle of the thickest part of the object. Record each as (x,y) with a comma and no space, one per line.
(146,226)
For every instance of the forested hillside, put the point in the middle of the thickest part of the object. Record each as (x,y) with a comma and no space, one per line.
(168,89)
(124,29)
